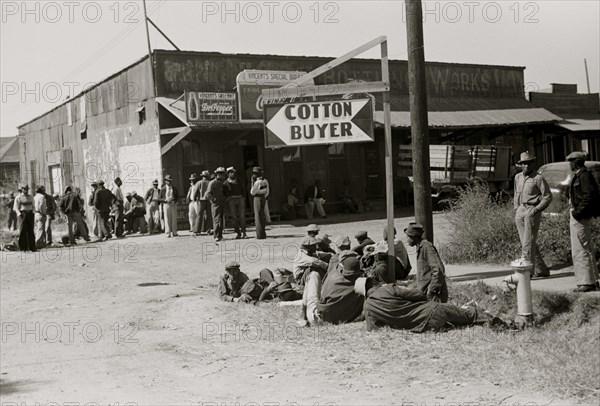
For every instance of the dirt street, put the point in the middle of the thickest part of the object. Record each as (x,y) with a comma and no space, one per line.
(137,321)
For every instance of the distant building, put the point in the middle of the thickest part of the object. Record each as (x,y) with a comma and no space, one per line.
(9,164)
(580,127)
(136,125)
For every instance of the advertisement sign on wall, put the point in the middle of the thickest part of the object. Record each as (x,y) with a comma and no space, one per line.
(205,108)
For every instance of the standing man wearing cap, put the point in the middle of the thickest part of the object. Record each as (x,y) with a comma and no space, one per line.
(72,205)
(216,196)
(235,196)
(168,197)
(12,215)
(532,196)
(192,206)
(585,204)
(153,208)
(230,284)
(103,200)
(260,191)
(24,208)
(93,210)
(39,210)
(119,203)
(431,274)
(204,219)
(309,272)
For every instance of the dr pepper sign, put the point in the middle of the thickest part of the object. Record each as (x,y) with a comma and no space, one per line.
(321,122)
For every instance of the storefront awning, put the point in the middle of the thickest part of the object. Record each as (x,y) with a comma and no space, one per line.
(471,113)
(581,125)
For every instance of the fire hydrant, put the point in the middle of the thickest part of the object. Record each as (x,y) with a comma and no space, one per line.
(522,278)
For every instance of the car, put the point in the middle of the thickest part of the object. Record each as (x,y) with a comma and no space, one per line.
(559,175)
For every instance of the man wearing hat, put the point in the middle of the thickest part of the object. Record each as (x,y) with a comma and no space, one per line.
(94,216)
(585,204)
(153,207)
(339,302)
(119,206)
(259,191)
(309,272)
(363,240)
(72,205)
(204,219)
(408,309)
(532,196)
(431,274)
(192,206)
(231,283)
(235,196)
(103,200)
(51,208)
(12,215)
(402,266)
(23,206)
(168,197)
(216,195)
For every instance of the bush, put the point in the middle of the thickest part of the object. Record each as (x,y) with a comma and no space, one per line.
(483,230)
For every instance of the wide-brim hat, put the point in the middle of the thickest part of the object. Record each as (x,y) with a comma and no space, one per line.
(414,230)
(193,176)
(23,186)
(342,241)
(525,157)
(309,242)
(169,178)
(284,287)
(232,265)
(100,182)
(360,286)
(155,182)
(257,169)
(205,174)
(577,155)
(94,183)
(323,239)
(312,228)
(231,169)
(220,169)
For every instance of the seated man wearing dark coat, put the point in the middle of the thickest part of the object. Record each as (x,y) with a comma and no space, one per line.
(363,240)
(339,302)
(408,309)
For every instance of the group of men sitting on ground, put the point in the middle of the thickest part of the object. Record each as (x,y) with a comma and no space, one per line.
(338,283)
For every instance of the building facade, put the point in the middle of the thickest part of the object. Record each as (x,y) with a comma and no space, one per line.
(135,124)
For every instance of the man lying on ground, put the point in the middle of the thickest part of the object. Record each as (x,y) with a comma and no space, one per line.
(408,309)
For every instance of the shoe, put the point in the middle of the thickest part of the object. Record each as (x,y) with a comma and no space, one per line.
(540,275)
(237,237)
(169,235)
(175,235)
(585,288)
(244,236)
(218,239)
(209,232)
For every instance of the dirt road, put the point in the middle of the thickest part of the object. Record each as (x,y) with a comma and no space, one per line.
(137,321)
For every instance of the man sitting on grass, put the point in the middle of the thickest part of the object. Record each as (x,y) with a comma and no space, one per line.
(408,309)
(431,275)
(309,272)
(231,282)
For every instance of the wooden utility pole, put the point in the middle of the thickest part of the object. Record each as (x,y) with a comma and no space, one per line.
(587,76)
(149,49)
(418,116)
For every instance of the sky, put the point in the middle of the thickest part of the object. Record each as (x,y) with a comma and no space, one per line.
(53,49)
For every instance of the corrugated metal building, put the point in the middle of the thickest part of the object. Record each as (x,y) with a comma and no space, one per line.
(134,124)
(9,164)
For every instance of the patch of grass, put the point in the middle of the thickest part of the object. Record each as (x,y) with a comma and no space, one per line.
(484,231)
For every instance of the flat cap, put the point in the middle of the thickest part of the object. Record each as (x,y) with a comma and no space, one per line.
(231,169)
(342,241)
(577,155)
(232,265)
(193,176)
(312,228)
(414,230)
(309,242)
(361,234)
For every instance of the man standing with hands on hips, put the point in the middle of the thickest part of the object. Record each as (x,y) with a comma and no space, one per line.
(260,191)
(585,204)
(532,196)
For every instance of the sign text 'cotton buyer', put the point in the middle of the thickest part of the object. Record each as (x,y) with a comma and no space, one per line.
(324,122)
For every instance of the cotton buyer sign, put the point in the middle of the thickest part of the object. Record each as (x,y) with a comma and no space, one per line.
(322,122)
(201,107)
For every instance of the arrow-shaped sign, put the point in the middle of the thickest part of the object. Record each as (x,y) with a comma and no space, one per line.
(322,122)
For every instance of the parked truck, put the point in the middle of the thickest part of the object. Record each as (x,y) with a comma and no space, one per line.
(453,166)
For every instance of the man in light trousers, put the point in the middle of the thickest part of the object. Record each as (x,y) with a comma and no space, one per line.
(532,196)
(585,204)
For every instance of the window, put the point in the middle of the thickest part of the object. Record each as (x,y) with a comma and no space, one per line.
(291,154)
(141,112)
(191,152)
(337,151)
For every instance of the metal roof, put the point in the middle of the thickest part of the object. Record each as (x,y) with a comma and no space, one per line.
(579,125)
